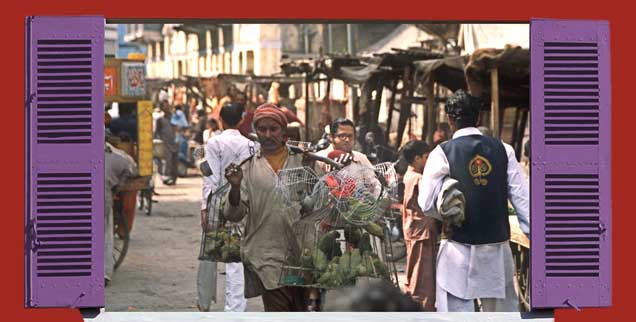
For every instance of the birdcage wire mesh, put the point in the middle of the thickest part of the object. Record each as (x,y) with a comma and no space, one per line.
(221,240)
(334,258)
(296,185)
(303,145)
(357,192)
(199,152)
(346,200)
(386,171)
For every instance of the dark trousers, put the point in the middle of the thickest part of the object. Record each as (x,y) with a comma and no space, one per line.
(169,168)
(284,299)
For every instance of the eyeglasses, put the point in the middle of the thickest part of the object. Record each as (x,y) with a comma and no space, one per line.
(343,136)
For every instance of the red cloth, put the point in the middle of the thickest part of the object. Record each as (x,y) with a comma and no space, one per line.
(270,111)
(291,117)
(246,125)
(341,157)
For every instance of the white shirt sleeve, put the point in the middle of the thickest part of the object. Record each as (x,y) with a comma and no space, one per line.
(208,182)
(216,163)
(518,191)
(430,184)
(207,189)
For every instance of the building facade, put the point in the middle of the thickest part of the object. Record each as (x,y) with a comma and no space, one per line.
(208,49)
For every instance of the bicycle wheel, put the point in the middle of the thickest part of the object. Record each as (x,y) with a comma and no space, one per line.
(121,237)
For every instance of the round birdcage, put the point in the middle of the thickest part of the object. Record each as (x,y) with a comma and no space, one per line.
(334,258)
(221,241)
(297,187)
(359,194)
(387,174)
(340,235)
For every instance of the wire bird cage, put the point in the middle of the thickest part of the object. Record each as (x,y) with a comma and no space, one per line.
(221,242)
(340,233)
(199,152)
(297,186)
(303,145)
(334,258)
(359,194)
(386,171)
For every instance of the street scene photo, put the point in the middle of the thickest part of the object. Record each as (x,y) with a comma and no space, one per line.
(317,167)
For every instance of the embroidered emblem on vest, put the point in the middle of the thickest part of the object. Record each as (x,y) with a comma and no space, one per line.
(479,167)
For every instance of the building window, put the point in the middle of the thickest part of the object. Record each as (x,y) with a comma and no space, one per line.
(159,53)
(192,43)
(240,63)
(250,62)
(228,63)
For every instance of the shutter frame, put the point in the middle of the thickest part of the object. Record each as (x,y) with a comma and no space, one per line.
(61,50)
(553,283)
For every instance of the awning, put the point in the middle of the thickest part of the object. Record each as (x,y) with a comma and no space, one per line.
(513,65)
(449,72)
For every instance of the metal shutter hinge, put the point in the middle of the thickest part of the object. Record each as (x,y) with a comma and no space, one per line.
(29,100)
(572,305)
(78,299)
(33,235)
(602,230)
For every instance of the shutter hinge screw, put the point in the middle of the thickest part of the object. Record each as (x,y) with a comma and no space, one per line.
(572,305)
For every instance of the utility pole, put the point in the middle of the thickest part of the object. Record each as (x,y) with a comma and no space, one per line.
(306,36)
(350,40)
(330,38)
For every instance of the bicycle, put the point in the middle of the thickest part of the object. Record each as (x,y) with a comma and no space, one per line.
(121,231)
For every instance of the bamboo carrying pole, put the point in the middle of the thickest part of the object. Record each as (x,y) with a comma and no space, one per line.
(494,98)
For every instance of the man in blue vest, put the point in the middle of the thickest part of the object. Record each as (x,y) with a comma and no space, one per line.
(475,261)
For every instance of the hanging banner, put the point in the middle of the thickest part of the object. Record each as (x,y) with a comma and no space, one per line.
(144,135)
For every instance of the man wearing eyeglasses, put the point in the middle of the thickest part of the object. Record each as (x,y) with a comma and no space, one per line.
(342,136)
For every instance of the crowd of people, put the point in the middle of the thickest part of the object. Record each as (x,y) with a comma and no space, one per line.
(454,211)
(455,201)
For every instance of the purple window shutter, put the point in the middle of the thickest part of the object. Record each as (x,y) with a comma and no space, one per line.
(64,116)
(570,173)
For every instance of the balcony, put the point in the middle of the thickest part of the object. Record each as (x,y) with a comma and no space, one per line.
(143,33)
